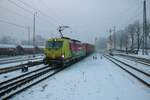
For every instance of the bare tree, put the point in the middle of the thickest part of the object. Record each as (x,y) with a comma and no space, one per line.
(148,30)
(101,43)
(130,30)
(121,39)
(137,30)
(39,40)
(8,40)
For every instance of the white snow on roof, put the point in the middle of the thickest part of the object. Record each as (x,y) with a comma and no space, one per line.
(27,46)
(14,46)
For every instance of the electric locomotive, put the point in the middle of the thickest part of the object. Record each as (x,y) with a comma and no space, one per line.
(62,51)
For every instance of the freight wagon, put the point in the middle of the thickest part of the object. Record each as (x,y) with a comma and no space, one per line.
(12,50)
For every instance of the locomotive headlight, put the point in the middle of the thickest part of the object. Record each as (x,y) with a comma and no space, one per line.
(62,56)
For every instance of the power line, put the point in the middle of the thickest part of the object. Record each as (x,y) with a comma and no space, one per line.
(37,10)
(14,24)
(14,12)
(20,6)
(26,9)
(27,5)
(127,10)
(138,11)
(45,5)
(135,16)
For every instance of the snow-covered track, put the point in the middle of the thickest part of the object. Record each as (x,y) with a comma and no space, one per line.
(20,56)
(140,75)
(20,84)
(11,88)
(136,59)
(17,67)
(17,60)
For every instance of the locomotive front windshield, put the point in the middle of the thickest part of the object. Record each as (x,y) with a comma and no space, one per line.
(54,44)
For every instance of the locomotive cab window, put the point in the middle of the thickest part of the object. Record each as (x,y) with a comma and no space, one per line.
(54,44)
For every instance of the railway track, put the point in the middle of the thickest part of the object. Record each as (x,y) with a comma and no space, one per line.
(15,85)
(136,59)
(139,74)
(17,60)
(17,67)
(19,57)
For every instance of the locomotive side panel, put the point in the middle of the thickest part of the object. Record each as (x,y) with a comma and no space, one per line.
(77,50)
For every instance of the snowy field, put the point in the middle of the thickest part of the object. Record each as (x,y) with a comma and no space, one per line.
(88,80)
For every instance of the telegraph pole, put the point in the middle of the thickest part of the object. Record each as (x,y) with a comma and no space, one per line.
(110,42)
(95,40)
(28,35)
(34,28)
(145,33)
(114,37)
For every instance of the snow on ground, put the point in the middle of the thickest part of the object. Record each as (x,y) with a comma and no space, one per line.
(139,55)
(88,80)
(20,62)
(9,75)
(140,66)
(19,57)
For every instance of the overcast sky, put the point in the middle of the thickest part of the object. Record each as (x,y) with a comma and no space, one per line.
(87,18)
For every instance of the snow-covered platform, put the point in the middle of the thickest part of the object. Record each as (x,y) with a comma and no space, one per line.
(90,79)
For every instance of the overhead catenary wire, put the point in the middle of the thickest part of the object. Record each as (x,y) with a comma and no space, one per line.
(140,11)
(128,9)
(20,6)
(14,24)
(49,21)
(138,15)
(14,12)
(136,11)
(58,17)
(29,11)
(37,10)
(27,5)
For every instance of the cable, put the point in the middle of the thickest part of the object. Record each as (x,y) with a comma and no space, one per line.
(27,5)
(45,5)
(36,10)
(139,10)
(20,6)
(14,12)
(14,24)
(26,9)
(127,10)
